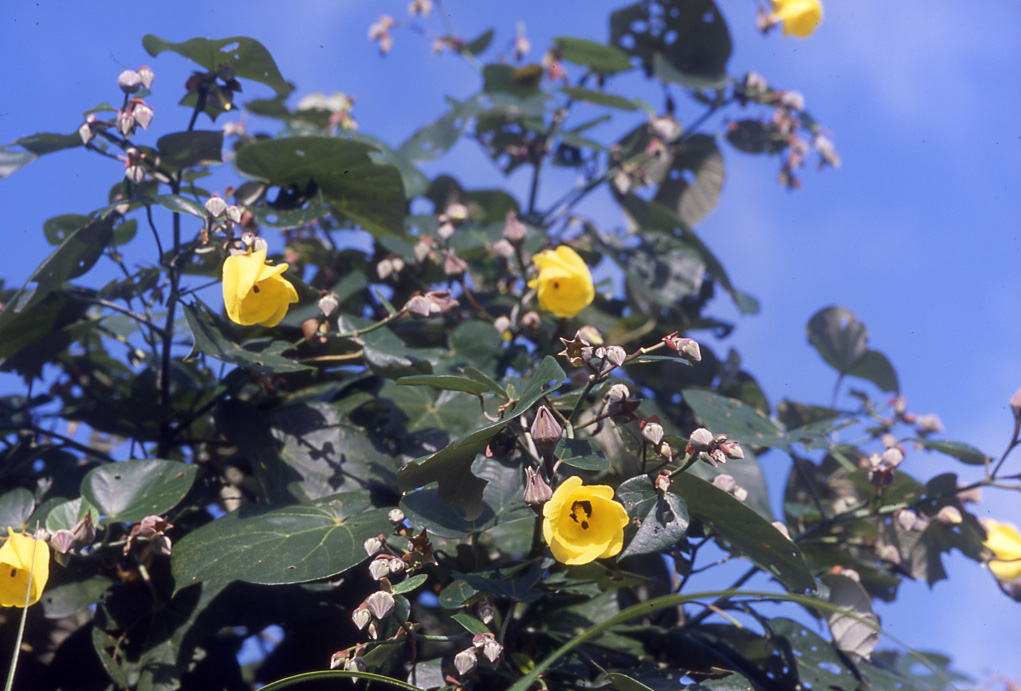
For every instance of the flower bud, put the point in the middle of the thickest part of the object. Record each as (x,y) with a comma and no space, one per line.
(546,431)
(949,515)
(485,610)
(652,431)
(701,439)
(1015,405)
(725,482)
(380,604)
(908,520)
(328,304)
(355,664)
(732,449)
(537,492)
(530,320)
(361,616)
(889,553)
(338,659)
(216,206)
(514,231)
(125,122)
(445,230)
(142,113)
(490,647)
(590,335)
(456,212)
(373,545)
(615,355)
(85,531)
(397,565)
(62,541)
(892,457)
(502,248)
(233,213)
(379,567)
(662,483)
(129,81)
(453,265)
(146,75)
(740,493)
(395,516)
(465,661)
(86,131)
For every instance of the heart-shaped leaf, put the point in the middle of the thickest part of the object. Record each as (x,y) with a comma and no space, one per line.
(128,491)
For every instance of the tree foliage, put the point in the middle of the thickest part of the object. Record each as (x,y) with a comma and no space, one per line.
(369,474)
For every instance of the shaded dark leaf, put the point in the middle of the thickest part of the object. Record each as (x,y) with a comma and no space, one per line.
(185,149)
(693,185)
(598,57)
(840,338)
(128,491)
(248,57)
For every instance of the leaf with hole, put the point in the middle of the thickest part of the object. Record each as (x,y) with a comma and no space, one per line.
(693,185)
(248,58)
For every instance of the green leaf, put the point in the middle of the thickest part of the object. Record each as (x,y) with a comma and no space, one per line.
(410,584)
(15,508)
(738,420)
(216,338)
(185,149)
(501,499)
(876,368)
(685,41)
(66,514)
(12,159)
(76,255)
(598,57)
(64,600)
(436,138)
(248,57)
(470,624)
(180,205)
(128,491)
(693,185)
(601,98)
(755,137)
(665,523)
(857,630)
(622,682)
(661,269)
(291,544)
(965,453)
(581,453)
(479,44)
(58,228)
(445,382)
(745,531)
(819,666)
(370,194)
(521,83)
(839,337)
(450,467)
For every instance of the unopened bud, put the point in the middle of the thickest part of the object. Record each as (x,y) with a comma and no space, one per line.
(142,113)
(485,611)
(725,482)
(490,647)
(395,516)
(129,81)
(453,265)
(504,249)
(373,545)
(62,541)
(86,132)
(907,519)
(732,449)
(740,493)
(701,439)
(716,456)
(328,304)
(84,531)
(590,335)
(514,231)
(652,431)
(662,483)
(397,565)
(546,431)
(355,664)
(465,661)
(361,616)
(949,515)
(889,553)
(445,230)
(502,323)
(379,567)
(1015,404)
(146,75)
(125,122)
(615,355)
(892,457)
(380,604)
(537,492)
(530,320)
(338,659)
(234,214)
(216,206)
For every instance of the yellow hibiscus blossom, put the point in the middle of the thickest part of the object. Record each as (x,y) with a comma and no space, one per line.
(17,557)
(255,292)
(583,523)
(799,17)
(1003,540)
(564,283)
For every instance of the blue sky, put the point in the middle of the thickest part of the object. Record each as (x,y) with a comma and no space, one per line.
(918,233)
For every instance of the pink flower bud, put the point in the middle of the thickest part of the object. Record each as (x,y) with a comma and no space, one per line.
(361,616)
(129,81)
(465,661)
(142,113)
(380,604)
(146,75)
(616,355)
(514,231)
(537,492)
(373,545)
(216,206)
(395,516)
(126,122)
(328,304)
(62,541)
(652,431)
(379,567)
(701,439)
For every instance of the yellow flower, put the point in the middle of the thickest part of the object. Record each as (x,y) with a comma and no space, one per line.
(254,292)
(16,559)
(564,281)
(799,17)
(581,523)
(1004,542)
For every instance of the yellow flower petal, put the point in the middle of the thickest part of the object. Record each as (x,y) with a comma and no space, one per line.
(564,284)
(255,292)
(799,17)
(1004,541)
(583,523)
(17,556)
